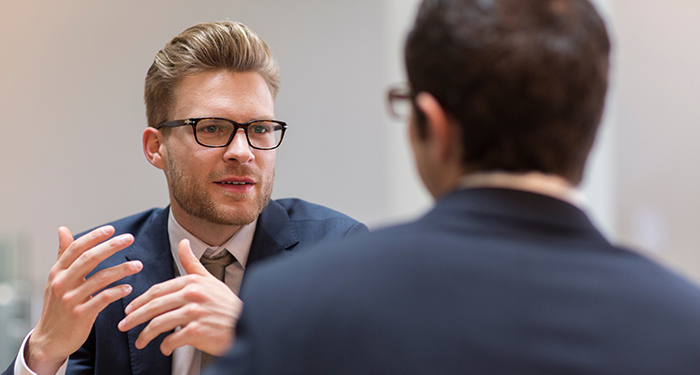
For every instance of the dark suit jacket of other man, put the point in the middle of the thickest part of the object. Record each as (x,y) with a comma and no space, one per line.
(491,281)
(285,225)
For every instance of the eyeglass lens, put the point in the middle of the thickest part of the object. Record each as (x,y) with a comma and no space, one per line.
(399,104)
(213,132)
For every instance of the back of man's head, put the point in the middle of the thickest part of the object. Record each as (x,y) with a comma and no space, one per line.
(524,79)
(207,46)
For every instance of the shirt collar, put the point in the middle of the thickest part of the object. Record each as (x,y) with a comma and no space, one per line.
(238,245)
(535,182)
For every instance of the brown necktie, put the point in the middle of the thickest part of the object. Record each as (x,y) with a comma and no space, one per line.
(216,267)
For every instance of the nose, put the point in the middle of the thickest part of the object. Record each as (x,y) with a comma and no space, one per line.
(239,149)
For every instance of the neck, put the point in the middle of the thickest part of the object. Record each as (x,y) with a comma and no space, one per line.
(446,180)
(210,233)
(535,182)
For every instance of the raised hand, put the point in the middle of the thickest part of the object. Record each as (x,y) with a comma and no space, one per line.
(203,306)
(72,302)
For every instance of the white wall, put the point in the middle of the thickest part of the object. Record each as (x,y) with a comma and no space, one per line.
(599,183)
(71,101)
(658,117)
(408,197)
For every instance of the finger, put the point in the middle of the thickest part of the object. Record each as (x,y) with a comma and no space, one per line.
(65,238)
(83,244)
(189,262)
(156,291)
(175,340)
(104,298)
(162,323)
(151,310)
(89,259)
(102,279)
(192,334)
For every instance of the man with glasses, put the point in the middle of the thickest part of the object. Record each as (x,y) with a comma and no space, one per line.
(210,106)
(506,275)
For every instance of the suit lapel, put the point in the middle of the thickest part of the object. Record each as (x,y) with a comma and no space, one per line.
(273,234)
(152,248)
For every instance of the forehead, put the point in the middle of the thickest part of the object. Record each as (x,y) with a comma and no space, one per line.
(237,96)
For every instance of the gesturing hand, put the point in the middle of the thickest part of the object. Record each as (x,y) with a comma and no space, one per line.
(203,306)
(72,302)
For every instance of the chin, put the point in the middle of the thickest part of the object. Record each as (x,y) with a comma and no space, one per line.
(236,218)
(241,213)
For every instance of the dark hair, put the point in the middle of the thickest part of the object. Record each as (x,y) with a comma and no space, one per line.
(525,79)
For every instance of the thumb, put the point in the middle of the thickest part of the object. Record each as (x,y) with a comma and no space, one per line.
(190,262)
(65,238)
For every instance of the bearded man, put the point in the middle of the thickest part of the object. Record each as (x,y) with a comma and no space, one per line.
(210,96)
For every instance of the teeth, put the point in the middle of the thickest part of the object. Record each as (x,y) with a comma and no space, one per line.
(234,183)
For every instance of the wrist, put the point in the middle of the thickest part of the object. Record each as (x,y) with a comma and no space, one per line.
(39,358)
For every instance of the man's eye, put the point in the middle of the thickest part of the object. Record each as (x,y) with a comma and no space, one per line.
(209,129)
(260,129)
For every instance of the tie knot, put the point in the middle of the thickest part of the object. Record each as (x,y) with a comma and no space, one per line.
(217,266)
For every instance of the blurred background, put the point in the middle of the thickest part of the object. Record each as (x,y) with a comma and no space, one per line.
(71,87)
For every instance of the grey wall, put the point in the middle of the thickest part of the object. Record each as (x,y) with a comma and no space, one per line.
(72,112)
(658,118)
(71,81)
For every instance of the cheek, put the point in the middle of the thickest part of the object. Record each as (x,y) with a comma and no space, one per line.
(266,162)
(197,163)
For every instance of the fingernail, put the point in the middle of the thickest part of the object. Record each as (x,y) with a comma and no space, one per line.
(106,230)
(128,288)
(124,238)
(137,265)
(128,310)
(120,326)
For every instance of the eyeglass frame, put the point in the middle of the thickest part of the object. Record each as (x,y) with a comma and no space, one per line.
(396,93)
(195,120)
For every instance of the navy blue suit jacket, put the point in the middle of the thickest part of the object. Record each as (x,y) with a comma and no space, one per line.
(491,281)
(284,225)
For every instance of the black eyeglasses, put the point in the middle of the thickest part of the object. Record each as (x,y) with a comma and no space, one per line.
(219,132)
(399,102)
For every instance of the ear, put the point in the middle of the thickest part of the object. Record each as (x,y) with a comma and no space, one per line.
(154,147)
(440,132)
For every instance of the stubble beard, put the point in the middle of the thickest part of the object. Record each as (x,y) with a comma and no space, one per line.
(196,201)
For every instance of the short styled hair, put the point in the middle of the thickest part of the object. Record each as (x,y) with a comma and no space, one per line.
(223,45)
(525,79)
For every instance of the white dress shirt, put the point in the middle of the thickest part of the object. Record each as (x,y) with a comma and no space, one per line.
(186,359)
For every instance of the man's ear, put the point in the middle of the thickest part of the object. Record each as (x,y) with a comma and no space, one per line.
(440,131)
(154,147)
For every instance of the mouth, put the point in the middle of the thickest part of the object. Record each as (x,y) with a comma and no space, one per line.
(234,183)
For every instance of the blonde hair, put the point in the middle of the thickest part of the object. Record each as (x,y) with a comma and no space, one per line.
(204,47)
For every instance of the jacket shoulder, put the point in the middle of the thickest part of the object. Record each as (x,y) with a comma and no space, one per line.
(315,222)
(131,224)
(299,210)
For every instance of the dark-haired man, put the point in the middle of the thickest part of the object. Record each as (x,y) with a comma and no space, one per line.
(506,275)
